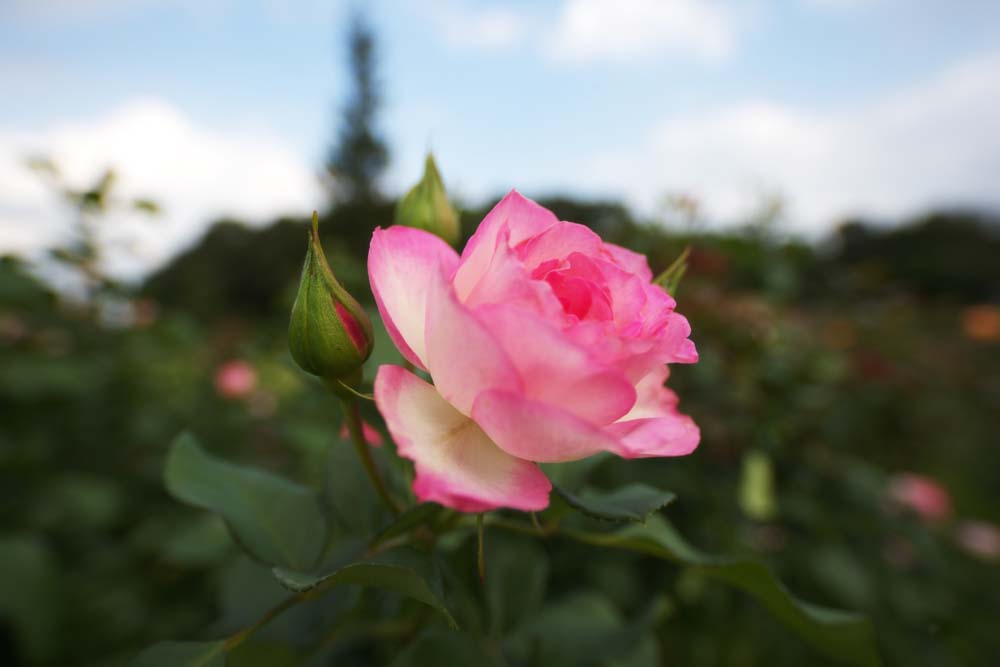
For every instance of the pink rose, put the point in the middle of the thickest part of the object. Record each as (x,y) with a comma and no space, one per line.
(544,343)
(235,379)
(920,494)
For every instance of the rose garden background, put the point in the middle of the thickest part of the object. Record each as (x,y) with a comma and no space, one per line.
(847,395)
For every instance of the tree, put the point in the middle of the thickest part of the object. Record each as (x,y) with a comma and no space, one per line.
(360,156)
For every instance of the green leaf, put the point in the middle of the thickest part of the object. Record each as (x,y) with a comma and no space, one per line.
(415,516)
(517,570)
(182,654)
(582,629)
(840,635)
(258,653)
(353,505)
(30,595)
(670,279)
(403,570)
(276,521)
(438,647)
(633,502)
(571,475)
(202,542)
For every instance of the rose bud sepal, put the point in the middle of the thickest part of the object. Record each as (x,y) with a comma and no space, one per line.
(329,335)
(426,206)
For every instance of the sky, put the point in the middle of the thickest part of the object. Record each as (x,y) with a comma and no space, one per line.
(880,108)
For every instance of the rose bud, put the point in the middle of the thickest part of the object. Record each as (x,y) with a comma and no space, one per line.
(426,206)
(329,335)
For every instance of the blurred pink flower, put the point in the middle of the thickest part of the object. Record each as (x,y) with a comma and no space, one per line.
(235,379)
(545,344)
(372,436)
(923,495)
(979,538)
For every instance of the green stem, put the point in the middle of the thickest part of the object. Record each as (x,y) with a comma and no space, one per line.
(276,611)
(481,551)
(353,417)
(525,528)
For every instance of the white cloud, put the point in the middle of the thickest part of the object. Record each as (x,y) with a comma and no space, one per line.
(491,27)
(937,143)
(626,30)
(196,174)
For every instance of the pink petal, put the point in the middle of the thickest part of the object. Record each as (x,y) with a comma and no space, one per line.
(669,435)
(524,217)
(507,281)
(555,370)
(653,427)
(401,262)
(629,260)
(457,465)
(537,431)
(558,242)
(463,356)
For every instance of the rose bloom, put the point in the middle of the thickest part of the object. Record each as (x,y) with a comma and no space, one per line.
(544,343)
(235,379)
(920,494)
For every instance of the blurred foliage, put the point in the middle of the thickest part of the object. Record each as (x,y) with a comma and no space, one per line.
(90,206)
(824,369)
(360,156)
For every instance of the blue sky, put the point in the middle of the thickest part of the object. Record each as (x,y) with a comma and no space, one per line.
(879,107)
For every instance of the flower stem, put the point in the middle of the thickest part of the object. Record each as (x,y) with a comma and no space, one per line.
(242,635)
(353,417)
(481,551)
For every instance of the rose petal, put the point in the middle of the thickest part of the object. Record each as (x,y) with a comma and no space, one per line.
(524,218)
(670,435)
(507,281)
(556,371)
(653,427)
(463,356)
(531,429)
(457,465)
(629,260)
(401,262)
(558,242)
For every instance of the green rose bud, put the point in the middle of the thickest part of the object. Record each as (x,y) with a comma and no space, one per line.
(330,334)
(426,206)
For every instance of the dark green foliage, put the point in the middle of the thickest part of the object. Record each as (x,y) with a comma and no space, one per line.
(949,254)
(841,636)
(182,654)
(237,272)
(634,502)
(274,520)
(840,374)
(402,570)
